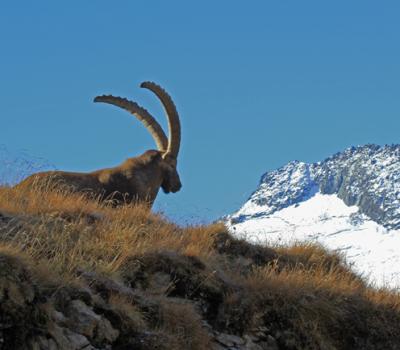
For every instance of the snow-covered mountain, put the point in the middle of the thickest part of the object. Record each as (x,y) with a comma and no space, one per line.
(349,202)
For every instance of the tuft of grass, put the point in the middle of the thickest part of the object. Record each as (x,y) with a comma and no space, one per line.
(182,320)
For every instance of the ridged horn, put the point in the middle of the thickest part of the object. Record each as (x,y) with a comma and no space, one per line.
(140,113)
(174,125)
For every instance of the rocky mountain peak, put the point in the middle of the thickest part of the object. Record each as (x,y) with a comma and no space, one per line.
(366,176)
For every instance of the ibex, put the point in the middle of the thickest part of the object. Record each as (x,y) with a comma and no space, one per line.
(137,179)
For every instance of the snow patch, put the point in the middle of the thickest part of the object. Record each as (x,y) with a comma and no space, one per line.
(370,248)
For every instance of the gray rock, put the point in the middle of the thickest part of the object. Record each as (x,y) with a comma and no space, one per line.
(42,343)
(83,320)
(217,346)
(252,346)
(229,340)
(272,343)
(58,317)
(78,341)
(65,339)
(105,331)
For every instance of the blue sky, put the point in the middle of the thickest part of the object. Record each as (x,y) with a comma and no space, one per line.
(257,84)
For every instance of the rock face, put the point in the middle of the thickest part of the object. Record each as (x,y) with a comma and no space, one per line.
(75,318)
(366,176)
(349,202)
(31,319)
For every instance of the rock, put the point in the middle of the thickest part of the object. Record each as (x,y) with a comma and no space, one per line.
(229,339)
(58,317)
(253,346)
(251,338)
(105,331)
(83,320)
(63,342)
(51,345)
(269,344)
(105,287)
(217,346)
(78,341)
(287,340)
(272,343)
(42,343)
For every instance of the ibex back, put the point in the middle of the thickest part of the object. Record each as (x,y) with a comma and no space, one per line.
(137,179)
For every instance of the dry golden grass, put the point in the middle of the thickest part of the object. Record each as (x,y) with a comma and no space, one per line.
(301,289)
(182,320)
(71,232)
(132,317)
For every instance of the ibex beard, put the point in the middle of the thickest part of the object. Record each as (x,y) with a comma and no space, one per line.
(137,179)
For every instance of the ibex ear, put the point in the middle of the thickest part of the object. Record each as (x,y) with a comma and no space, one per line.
(155,156)
(170,159)
(152,156)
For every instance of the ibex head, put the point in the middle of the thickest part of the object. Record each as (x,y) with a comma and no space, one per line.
(171,181)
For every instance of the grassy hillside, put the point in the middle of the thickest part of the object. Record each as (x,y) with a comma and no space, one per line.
(76,274)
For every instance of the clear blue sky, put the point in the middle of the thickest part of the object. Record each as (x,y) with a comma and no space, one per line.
(257,84)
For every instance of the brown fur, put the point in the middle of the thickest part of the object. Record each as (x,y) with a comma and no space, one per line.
(136,179)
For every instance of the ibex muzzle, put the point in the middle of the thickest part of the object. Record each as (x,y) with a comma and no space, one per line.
(137,179)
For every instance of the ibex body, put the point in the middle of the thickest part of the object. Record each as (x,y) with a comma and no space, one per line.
(136,179)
